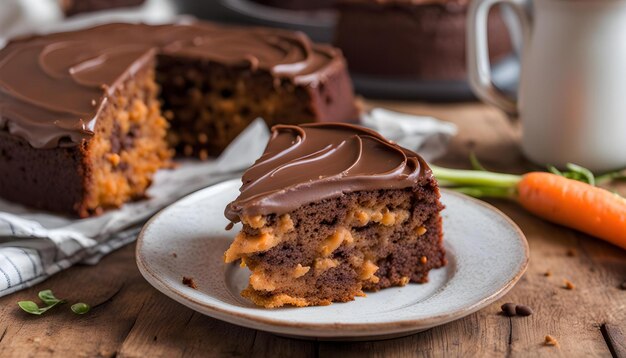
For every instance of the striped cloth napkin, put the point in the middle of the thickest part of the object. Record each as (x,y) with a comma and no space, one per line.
(35,245)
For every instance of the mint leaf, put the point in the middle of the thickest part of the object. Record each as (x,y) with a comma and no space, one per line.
(30,307)
(80,308)
(47,297)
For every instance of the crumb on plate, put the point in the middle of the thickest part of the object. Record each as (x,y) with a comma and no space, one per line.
(190,282)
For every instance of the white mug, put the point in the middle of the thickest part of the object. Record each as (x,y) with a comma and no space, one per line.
(572,95)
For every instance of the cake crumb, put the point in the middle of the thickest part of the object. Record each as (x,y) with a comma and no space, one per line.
(623,286)
(550,341)
(571,252)
(523,310)
(204,155)
(174,255)
(547,273)
(508,309)
(567,284)
(423,260)
(190,282)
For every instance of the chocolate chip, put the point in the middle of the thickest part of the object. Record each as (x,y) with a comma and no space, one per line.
(508,309)
(523,310)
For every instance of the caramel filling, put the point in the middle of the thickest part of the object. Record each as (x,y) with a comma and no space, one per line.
(335,240)
(260,281)
(255,222)
(368,270)
(267,238)
(300,271)
(324,264)
(382,215)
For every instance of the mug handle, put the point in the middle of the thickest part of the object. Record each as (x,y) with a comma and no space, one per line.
(478,64)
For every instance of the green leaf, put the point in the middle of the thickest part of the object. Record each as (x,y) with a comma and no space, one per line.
(617,175)
(30,307)
(476,165)
(80,308)
(552,169)
(583,173)
(47,297)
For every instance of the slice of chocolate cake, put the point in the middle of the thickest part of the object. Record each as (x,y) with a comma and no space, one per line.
(330,210)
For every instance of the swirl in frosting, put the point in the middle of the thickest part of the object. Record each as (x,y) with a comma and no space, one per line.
(52,87)
(312,162)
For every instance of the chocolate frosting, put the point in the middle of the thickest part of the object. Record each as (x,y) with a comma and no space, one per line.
(53,87)
(312,162)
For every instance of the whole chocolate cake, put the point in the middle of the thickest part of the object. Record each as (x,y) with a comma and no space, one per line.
(411,39)
(330,210)
(87,117)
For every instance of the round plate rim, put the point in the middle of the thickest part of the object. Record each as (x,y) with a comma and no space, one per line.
(321,330)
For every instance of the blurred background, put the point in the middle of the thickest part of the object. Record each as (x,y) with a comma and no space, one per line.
(399,49)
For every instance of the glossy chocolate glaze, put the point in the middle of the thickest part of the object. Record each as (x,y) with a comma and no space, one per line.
(53,87)
(312,162)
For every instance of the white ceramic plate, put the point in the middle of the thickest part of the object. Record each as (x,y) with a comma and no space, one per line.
(487,253)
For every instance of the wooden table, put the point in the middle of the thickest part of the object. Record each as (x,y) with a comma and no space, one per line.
(131,319)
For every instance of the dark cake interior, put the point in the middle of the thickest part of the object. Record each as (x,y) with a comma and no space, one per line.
(209,104)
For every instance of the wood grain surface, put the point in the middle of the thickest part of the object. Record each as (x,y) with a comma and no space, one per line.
(132,319)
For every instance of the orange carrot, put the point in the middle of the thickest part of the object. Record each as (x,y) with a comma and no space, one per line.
(575,204)
(568,202)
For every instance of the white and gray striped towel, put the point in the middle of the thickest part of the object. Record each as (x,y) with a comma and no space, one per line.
(35,245)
